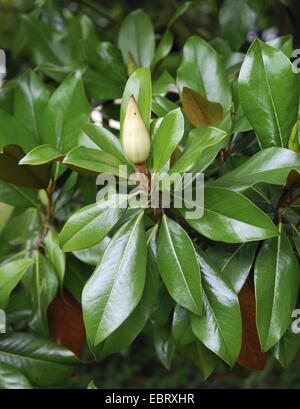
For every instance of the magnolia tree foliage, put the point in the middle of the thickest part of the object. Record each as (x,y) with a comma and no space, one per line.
(81,279)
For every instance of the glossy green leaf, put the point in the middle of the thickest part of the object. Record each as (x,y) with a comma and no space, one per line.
(181,326)
(236,17)
(19,307)
(231,218)
(271,166)
(14,133)
(92,161)
(138,85)
(17,196)
(106,140)
(163,84)
(201,148)
(66,112)
(31,96)
(164,345)
(179,12)
(277,278)
(202,357)
(42,361)
(234,261)
(12,378)
(45,41)
(178,266)
(89,225)
(24,226)
(40,155)
(116,286)
(287,348)
(55,255)
(161,106)
(106,75)
(80,27)
(271,108)
(166,138)
(203,71)
(42,283)
(134,324)
(284,43)
(294,139)
(77,274)
(92,385)
(136,36)
(163,48)
(92,255)
(220,327)
(296,238)
(10,275)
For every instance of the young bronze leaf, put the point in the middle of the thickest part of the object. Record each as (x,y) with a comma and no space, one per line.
(65,322)
(251,355)
(199,110)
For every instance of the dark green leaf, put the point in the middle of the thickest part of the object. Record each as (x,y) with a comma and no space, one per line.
(10,275)
(41,155)
(55,255)
(92,161)
(271,107)
(12,378)
(17,196)
(92,255)
(89,225)
(178,266)
(30,100)
(220,327)
(287,348)
(181,326)
(166,138)
(231,218)
(106,140)
(42,283)
(164,47)
(234,262)
(105,77)
(284,43)
(269,166)
(134,324)
(136,36)
(201,148)
(202,70)
(42,361)
(202,357)
(236,17)
(66,112)
(116,287)
(179,12)
(277,278)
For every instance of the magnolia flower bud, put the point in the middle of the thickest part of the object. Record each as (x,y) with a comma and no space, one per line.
(135,137)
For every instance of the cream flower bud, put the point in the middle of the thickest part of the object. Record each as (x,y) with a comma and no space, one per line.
(135,137)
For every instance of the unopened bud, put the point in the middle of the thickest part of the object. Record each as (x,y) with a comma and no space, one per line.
(135,137)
